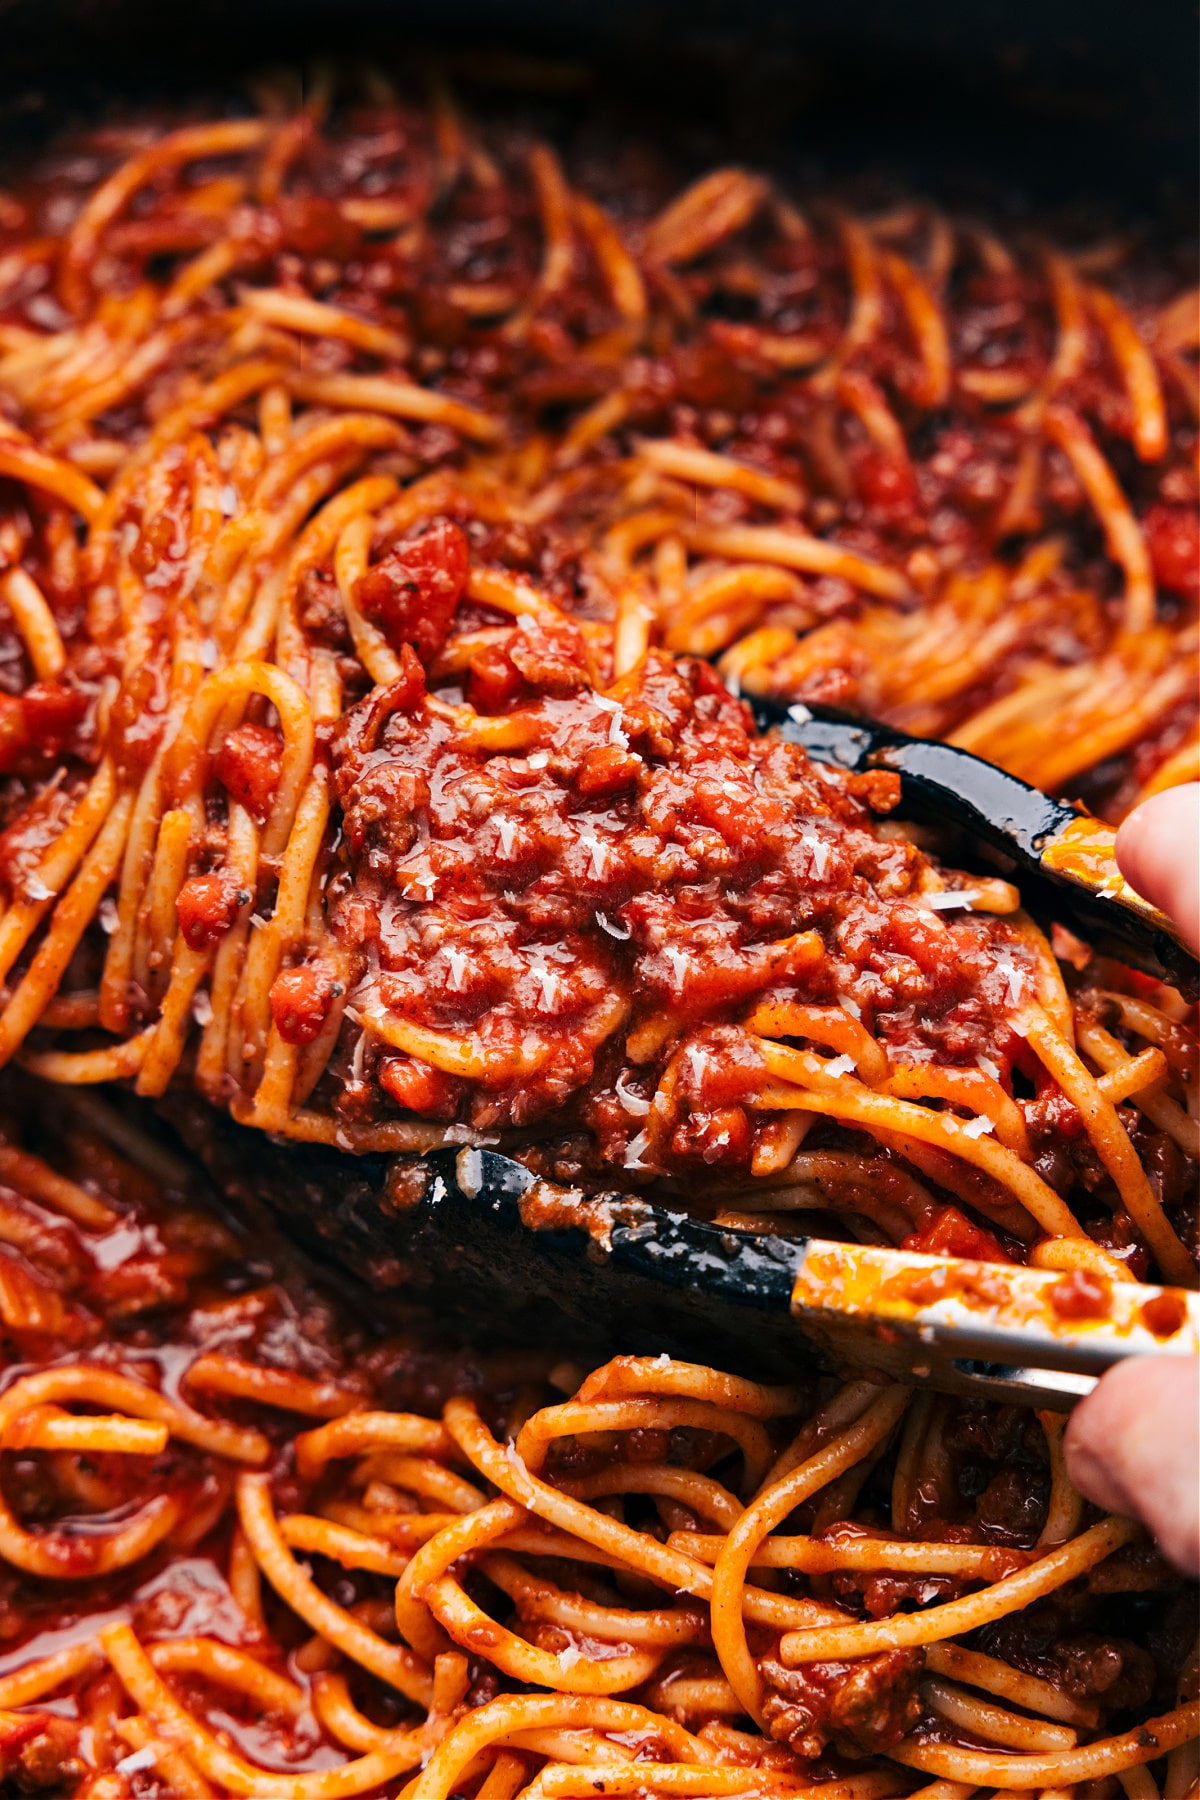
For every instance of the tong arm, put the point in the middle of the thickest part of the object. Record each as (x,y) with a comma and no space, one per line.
(1070,854)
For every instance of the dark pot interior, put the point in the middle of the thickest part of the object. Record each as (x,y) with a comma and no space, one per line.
(1054,100)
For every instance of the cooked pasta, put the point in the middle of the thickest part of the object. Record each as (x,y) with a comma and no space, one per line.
(392,511)
(881,457)
(253,1547)
(366,772)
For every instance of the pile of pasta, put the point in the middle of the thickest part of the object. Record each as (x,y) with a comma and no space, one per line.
(249,363)
(879,457)
(249,1548)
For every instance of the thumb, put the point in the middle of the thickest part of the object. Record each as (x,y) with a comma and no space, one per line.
(1158,853)
(1133,1447)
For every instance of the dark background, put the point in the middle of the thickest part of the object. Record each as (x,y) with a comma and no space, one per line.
(1062,99)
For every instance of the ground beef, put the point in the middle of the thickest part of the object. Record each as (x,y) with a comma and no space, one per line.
(859,1707)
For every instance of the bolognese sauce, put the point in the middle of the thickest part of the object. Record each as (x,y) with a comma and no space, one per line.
(254,1545)
(376,494)
(378,490)
(907,461)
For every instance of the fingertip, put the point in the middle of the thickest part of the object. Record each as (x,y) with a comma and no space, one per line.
(1128,847)
(1094,1430)
(1158,853)
(1088,1474)
(1132,1448)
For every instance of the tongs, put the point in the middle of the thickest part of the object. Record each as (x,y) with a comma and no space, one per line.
(495,1248)
(484,1238)
(1063,857)
(662,1280)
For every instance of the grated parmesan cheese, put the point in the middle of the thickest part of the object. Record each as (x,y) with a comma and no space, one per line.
(599,852)
(1014,977)
(469,1169)
(137,1761)
(549,984)
(616,733)
(516,1462)
(950,899)
(636,1105)
(818,850)
(679,966)
(633,1151)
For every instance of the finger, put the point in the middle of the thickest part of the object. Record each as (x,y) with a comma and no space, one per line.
(1158,852)
(1133,1447)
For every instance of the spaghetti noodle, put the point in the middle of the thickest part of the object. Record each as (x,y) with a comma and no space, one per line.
(251,1548)
(880,457)
(362,770)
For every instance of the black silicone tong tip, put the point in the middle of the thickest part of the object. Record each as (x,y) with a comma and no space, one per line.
(605,1269)
(478,1238)
(503,1254)
(944,784)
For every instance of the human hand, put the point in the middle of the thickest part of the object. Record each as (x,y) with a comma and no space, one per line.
(1158,853)
(1133,1446)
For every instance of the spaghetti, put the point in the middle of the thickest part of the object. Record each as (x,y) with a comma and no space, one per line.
(251,1548)
(880,457)
(362,767)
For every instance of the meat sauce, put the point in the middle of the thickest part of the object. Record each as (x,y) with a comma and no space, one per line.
(578,921)
(863,1707)
(733,340)
(480,406)
(648,864)
(166,1287)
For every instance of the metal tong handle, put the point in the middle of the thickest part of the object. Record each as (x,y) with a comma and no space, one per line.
(993,1330)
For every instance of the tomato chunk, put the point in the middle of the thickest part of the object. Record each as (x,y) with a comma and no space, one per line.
(36,725)
(248,763)
(207,906)
(300,1001)
(953,1234)
(1173,537)
(413,594)
(419,1088)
